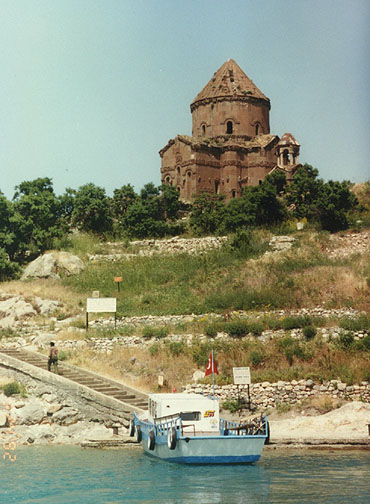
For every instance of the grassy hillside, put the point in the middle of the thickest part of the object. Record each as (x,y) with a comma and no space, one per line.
(230,278)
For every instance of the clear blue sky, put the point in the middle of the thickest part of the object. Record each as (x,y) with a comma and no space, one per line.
(91,90)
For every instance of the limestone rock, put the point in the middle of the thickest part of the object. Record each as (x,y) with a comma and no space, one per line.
(49,266)
(4,420)
(65,416)
(53,408)
(198,375)
(42,267)
(32,413)
(17,308)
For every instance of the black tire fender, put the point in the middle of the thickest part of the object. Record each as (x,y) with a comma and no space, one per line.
(132,428)
(172,438)
(151,440)
(267,440)
(139,434)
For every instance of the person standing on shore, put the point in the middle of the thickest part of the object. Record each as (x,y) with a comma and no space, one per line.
(53,356)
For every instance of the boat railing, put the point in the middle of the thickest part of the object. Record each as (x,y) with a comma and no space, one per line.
(163,425)
(253,427)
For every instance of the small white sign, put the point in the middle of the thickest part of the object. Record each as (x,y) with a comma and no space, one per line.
(242,375)
(97,305)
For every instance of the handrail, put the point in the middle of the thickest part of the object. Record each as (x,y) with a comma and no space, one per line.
(255,426)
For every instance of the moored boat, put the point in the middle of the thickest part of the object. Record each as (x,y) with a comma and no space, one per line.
(187,428)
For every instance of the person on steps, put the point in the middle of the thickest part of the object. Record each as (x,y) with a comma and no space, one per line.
(53,356)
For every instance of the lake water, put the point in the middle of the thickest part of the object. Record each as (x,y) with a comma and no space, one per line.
(71,475)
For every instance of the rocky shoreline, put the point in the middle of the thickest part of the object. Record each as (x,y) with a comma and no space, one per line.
(49,419)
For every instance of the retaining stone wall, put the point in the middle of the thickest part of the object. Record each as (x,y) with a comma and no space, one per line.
(266,394)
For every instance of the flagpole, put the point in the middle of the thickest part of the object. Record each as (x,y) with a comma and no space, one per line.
(213,376)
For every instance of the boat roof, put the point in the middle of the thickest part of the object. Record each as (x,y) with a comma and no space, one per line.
(178,396)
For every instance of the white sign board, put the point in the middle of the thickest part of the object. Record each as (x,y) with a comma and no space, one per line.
(242,375)
(97,305)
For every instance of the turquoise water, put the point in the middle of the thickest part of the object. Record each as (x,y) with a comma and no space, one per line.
(53,475)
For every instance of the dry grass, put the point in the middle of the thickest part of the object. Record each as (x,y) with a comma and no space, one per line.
(143,373)
(328,285)
(321,404)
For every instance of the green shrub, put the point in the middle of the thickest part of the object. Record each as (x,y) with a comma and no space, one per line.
(176,347)
(366,342)
(309,332)
(236,328)
(154,349)
(256,327)
(231,404)
(7,333)
(64,355)
(289,323)
(361,323)
(256,357)
(149,332)
(12,389)
(212,329)
(346,339)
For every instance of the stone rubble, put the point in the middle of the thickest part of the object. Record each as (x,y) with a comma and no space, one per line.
(173,245)
(350,243)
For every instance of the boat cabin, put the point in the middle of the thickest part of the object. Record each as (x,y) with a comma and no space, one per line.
(197,413)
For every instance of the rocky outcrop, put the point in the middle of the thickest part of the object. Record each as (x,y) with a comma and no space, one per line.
(50,265)
(15,310)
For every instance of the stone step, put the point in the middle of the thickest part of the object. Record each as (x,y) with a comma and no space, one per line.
(79,376)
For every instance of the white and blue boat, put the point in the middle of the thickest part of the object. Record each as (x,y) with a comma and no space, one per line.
(187,428)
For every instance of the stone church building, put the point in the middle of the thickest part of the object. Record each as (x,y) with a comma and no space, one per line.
(231,145)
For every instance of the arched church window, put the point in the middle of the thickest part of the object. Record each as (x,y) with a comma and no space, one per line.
(168,180)
(285,157)
(257,129)
(233,193)
(217,186)
(178,170)
(203,130)
(229,127)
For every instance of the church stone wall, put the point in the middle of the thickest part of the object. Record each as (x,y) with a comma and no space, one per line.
(211,119)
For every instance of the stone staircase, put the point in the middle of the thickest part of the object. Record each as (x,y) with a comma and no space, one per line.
(98,383)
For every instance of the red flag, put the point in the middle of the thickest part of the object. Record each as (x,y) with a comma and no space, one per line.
(209,366)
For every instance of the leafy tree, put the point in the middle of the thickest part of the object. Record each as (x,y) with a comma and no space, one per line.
(153,213)
(278,179)
(240,214)
(170,202)
(66,202)
(141,220)
(8,269)
(122,199)
(258,206)
(334,201)
(207,214)
(36,219)
(303,192)
(91,211)
(149,191)
(7,235)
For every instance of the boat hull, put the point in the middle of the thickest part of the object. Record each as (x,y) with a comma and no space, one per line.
(209,450)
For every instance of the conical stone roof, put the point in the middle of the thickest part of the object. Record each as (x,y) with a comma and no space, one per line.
(229,82)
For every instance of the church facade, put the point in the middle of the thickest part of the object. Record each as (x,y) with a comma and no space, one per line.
(231,145)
